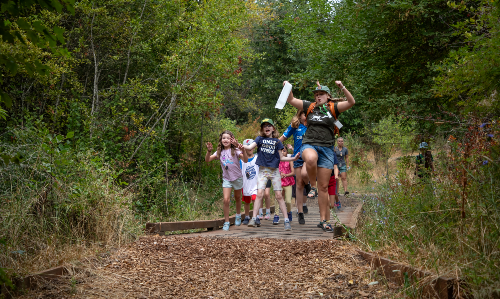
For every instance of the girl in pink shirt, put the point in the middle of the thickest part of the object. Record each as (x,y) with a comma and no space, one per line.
(287,181)
(228,152)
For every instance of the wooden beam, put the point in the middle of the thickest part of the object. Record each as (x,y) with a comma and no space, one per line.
(433,286)
(161,227)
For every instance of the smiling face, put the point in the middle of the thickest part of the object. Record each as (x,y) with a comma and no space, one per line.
(321,97)
(226,141)
(268,129)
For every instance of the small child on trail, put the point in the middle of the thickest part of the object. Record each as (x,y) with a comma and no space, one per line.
(269,150)
(250,171)
(332,187)
(228,152)
(287,181)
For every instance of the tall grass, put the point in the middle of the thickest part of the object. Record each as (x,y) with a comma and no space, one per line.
(448,224)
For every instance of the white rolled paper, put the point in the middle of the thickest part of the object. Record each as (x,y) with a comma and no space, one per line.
(283,96)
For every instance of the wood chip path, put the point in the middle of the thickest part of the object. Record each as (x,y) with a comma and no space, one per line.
(264,262)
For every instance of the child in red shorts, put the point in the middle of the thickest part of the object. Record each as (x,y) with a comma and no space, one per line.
(332,185)
(250,172)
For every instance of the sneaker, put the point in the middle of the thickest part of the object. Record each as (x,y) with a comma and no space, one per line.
(251,223)
(246,220)
(268,216)
(257,222)
(237,221)
(226,226)
(305,209)
(260,216)
(287,225)
(290,216)
(301,218)
(339,206)
(276,220)
(346,193)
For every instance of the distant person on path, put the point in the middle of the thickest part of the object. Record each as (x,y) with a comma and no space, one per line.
(250,172)
(287,181)
(269,150)
(228,152)
(297,129)
(317,144)
(343,157)
(424,162)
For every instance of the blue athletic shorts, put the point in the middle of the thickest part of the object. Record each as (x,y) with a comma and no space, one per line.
(298,163)
(325,155)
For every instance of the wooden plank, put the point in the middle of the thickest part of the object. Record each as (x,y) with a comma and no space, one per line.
(356,215)
(162,227)
(435,287)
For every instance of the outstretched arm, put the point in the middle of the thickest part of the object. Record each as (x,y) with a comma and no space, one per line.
(293,101)
(344,106)
(251,146)
(294,158)
(282,138)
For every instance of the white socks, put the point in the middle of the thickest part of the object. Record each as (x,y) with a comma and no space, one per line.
(268,211)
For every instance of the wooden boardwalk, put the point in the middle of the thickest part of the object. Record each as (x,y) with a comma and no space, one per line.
(308,231)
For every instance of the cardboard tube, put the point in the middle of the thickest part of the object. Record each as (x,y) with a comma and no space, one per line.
(283,96)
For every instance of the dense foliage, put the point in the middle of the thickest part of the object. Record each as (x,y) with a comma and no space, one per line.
(99,98)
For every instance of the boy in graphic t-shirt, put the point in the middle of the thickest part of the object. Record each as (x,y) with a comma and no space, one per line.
(250,171)
(269,149)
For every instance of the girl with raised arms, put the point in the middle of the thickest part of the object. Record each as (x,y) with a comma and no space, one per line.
(228,152)
(317,144)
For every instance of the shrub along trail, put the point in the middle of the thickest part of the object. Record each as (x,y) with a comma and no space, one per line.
(203,267)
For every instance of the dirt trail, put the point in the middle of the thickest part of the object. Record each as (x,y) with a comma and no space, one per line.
(209,267)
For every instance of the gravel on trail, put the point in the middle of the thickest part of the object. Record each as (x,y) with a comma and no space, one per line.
(202,267)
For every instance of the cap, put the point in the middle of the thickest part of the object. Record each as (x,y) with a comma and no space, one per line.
(323,88)
(267,120)
(247,141)
(423,145)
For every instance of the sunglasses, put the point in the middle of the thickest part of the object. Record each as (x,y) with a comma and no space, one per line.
(266,125)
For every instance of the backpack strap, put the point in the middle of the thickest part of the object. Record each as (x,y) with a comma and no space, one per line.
(310,109)
(332,110)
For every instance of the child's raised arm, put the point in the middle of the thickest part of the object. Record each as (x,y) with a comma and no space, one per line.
(294,158)
(209,157)
(251,146)
(243,156)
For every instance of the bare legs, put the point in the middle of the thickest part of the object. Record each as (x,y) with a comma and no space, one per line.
(227,200)
(301,181)
(343,176)
(322,175)
(258,202)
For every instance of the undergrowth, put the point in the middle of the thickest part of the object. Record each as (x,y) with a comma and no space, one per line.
(447,223)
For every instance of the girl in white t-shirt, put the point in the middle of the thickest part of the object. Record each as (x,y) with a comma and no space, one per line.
(250,171)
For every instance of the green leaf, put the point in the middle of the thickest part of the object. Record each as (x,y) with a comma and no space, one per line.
(4,97)
(70,134)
